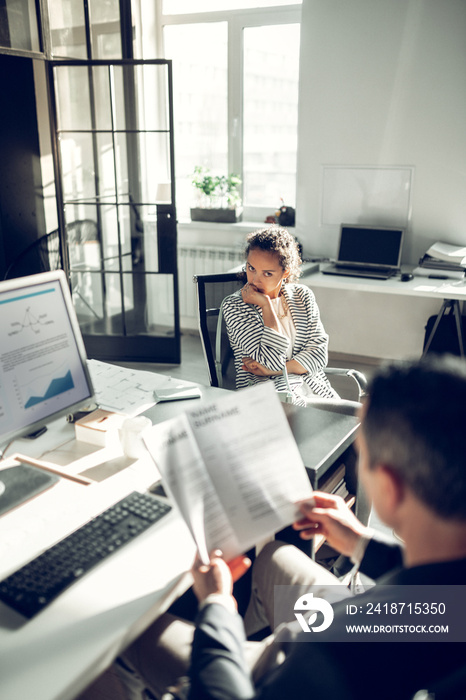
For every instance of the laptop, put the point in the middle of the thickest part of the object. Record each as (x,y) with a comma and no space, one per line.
(367,251)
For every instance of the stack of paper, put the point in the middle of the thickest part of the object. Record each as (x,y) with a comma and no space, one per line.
(443,259)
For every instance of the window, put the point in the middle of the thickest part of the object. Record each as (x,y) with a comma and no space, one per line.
(18,25)
(235,75)
(200,104)
(67,20)
(270,114)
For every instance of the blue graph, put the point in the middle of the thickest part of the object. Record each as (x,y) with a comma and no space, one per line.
(56,387)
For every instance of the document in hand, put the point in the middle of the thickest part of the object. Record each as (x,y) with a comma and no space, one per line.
(233,468)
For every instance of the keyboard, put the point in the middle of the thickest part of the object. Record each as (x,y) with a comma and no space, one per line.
(38,583)
(380,274)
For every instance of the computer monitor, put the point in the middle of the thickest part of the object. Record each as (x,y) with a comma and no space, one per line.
(43,368)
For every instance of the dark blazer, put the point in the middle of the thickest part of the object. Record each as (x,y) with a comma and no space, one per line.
(330,670)
(250,338)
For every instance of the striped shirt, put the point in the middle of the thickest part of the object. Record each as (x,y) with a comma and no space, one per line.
(249,337)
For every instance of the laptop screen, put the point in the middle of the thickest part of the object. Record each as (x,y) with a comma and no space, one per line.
(370,245)
(43,368)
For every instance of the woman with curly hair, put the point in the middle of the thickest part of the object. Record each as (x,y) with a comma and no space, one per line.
(273,323)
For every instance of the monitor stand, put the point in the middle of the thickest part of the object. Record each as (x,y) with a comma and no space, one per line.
(37,433)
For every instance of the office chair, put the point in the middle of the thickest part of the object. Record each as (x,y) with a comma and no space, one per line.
(211,290)
(42,255)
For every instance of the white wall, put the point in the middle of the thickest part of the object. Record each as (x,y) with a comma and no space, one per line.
(374,325)
(383,84)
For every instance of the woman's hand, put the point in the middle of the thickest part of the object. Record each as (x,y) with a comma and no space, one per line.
(251,295)
(328,515)
(254,367)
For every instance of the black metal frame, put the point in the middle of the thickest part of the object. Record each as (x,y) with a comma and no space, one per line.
(204,313)
(451,305)
(165,349)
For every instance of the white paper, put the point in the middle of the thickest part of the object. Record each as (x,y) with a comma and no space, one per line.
(448,252)
(234,461)
(175,452)
(122,390)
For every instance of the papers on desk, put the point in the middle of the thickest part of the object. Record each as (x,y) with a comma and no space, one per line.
(448,253)
(122,390)
(444,260)
(128,391)
(233,468)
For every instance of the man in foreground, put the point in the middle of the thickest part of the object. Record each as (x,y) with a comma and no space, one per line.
(413,468)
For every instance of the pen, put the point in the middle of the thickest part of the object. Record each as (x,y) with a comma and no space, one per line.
(438,277)
(52,469)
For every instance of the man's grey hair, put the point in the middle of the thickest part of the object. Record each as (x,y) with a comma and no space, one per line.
(415,424)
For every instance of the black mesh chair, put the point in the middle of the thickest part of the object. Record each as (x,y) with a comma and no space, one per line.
(42,255)
(211,290)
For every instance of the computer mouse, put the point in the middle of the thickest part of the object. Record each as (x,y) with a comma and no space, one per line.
(406,276)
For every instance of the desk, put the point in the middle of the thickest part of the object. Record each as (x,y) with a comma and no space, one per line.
(62,650)
(360,320)
(417,287)
(57,654)
(322,437)
(325,439)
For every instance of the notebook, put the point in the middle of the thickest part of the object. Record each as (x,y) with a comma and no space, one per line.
(367,251)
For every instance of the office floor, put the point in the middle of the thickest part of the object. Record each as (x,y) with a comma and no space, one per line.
(192,368)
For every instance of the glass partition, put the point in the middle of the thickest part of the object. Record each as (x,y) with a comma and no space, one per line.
(114,152)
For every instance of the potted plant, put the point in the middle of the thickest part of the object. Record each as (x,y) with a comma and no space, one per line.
(218,197)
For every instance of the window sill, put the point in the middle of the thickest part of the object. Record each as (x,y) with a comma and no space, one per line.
(205,233)
(240,226)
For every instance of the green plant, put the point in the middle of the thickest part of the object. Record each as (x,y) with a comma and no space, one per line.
(220,190)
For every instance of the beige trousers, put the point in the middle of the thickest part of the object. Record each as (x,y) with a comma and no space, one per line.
(161,655)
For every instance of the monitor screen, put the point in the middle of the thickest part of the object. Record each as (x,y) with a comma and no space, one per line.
(43,369)
(370,245)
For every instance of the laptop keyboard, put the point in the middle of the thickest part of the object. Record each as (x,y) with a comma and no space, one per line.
(38,583)
(379,274)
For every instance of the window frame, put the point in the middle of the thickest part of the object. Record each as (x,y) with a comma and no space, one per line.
(237,20)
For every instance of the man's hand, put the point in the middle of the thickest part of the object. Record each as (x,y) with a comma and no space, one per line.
(254,367)
(217,576)
(328,515)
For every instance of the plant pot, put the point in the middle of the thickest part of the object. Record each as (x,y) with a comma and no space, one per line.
(220,215)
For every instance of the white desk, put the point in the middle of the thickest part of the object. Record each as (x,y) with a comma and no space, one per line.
(379,318)
(417,287)
(57,654)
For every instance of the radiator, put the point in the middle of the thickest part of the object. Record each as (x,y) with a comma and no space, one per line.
(198,261)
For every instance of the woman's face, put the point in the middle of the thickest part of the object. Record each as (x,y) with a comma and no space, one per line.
(264,271)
